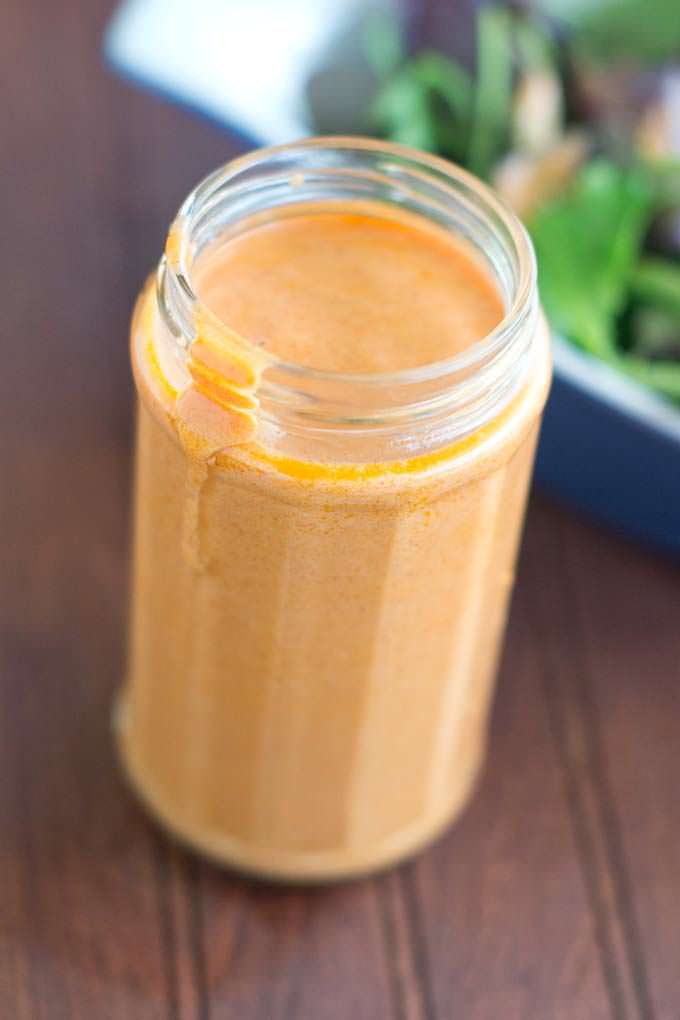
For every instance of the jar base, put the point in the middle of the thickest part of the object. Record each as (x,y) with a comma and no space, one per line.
(289,867)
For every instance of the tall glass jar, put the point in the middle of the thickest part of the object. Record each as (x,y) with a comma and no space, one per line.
(323,561)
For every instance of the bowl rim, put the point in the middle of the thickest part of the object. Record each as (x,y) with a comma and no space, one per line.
(604,383)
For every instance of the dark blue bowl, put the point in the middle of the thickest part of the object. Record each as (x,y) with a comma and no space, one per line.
(612,449)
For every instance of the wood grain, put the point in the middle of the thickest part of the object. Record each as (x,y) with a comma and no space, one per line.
(502,898)
(626,605)
(557,894)
(86,923)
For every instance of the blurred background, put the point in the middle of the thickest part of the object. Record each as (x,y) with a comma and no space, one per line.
(570,109)
(558,893)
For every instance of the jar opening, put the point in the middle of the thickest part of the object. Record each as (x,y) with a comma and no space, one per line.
(452,396)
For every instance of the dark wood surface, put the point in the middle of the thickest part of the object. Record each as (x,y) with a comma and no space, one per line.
(557,897)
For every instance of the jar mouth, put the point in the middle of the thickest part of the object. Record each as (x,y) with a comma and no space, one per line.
(447,175)
(437,402)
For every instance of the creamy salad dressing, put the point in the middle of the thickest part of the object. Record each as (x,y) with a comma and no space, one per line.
(314,643)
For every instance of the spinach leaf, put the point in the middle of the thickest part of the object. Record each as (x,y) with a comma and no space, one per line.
(427,103)
(448,79)
(587,242)
(402,112)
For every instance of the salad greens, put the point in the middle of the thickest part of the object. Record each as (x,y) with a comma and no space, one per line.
(587,243)
(428,104)
(430,101)
(592,201)
(597,287)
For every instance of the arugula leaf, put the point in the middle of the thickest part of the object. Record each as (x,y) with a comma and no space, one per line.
(587,243)
(448,79)
(428,104)
(402,111)
(431,102)
(450,92)
(493,93)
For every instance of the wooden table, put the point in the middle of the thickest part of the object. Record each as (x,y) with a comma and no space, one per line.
(557,895)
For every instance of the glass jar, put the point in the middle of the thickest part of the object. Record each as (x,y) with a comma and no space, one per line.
(323,562)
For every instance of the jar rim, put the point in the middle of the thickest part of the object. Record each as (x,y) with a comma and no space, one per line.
(427,405)
(446,175)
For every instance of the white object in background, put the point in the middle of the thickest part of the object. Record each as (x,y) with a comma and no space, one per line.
(246,64)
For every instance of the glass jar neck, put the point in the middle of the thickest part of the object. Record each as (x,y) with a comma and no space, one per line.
(403,412)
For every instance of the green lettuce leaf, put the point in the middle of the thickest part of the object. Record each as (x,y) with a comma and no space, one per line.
(588,241)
